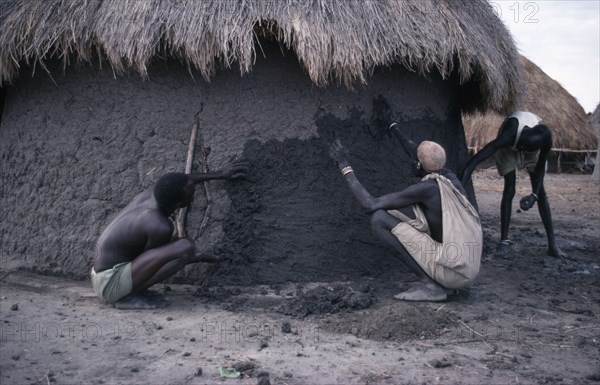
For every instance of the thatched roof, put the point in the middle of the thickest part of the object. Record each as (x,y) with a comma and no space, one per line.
(335,40)
(546,98)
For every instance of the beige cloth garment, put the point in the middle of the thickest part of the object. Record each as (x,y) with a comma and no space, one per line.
(113,284)
(509,159)
(419,223)
(454,263)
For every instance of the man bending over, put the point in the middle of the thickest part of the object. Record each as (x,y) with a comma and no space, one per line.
(136,249)
(431,225)
(523,142)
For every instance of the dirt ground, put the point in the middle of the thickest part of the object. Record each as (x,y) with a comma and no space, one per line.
(528,318)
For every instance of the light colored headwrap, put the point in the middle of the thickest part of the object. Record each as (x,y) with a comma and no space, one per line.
(431,155)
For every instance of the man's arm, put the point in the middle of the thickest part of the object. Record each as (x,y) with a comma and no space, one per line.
(487,151)
(540,167)
(506,138)
(235,170)
(409,146)
(537,178)
(404,198)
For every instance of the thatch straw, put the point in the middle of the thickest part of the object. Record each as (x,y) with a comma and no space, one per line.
(335,40)
(546,98)
(595,123)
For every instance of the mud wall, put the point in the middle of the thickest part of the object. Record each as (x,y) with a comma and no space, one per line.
(75,148)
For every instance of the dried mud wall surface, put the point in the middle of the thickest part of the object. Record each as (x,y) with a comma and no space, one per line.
(76,148)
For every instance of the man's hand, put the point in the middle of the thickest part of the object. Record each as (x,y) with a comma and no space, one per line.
(394,129)
(382,113)
(236,169)
(339,154)
(528,202)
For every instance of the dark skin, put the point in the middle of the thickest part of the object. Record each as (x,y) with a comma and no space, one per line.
(142,234)
(533,139)
(425,194)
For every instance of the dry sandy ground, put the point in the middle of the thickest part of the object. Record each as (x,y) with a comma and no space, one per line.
(528,319)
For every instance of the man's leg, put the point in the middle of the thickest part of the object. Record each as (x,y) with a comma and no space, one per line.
(382,224)
(427,289)
(158,264)
(167,270)
(510,181)
(154,266)
(544,210)
(171,267)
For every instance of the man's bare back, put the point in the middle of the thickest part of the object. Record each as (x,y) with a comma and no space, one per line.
(127,235)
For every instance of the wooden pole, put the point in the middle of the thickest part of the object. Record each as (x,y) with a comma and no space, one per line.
(180,222)
(204,152)
(596,173)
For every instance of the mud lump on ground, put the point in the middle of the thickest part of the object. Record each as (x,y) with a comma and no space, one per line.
(326,300)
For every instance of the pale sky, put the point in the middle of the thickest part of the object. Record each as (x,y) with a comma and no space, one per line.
(562,37)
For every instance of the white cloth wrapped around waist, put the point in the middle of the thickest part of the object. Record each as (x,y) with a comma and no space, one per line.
(455,262)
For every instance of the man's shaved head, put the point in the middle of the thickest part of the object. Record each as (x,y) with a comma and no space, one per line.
(431,155)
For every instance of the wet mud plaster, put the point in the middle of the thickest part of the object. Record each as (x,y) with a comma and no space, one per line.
(294,218)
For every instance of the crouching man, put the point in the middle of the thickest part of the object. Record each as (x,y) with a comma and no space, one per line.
(431,225)
(136,249)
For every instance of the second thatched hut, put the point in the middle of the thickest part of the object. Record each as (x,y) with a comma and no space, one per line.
(572,135)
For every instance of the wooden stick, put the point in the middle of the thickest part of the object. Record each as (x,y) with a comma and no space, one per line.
(204,152)
(475,149)
(583,327)
(180,222)
(480,335)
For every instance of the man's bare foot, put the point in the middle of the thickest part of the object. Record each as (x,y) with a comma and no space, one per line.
(556,252)
(142,300)
(504,248)
(424,291)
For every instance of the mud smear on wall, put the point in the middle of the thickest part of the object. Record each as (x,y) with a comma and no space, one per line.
(294,219)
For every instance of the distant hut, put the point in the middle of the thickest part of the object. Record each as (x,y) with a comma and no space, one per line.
(595,123)
(100,97)
(545,97)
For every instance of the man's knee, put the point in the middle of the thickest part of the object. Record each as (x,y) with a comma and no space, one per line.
(184,247)
(510,183)
(380,219)
(509,192)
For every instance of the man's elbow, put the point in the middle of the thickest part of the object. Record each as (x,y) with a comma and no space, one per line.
(370,207)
